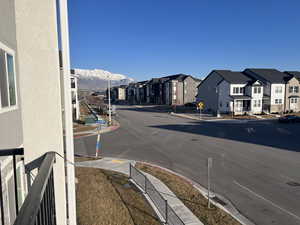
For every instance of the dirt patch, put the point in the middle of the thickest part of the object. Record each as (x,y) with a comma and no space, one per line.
(107,198)
(191,197)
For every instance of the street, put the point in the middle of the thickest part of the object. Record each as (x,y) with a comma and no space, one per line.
(256,164)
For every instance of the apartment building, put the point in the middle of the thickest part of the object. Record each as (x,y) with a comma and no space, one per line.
(32,151)
(118,93)
(292,92)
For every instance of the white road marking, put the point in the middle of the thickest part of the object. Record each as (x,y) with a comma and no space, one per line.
(270,202)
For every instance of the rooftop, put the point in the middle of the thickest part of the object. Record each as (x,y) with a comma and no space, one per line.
(234,77)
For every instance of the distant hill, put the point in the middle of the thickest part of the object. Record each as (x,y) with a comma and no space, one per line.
(97,79)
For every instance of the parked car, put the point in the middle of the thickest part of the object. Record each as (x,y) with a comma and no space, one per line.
(289,119)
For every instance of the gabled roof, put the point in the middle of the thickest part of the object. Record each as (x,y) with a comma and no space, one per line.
(233,77)
(295,74)
(179,77)
(269,75)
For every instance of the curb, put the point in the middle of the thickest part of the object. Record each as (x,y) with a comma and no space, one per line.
(230,209)
(95,132)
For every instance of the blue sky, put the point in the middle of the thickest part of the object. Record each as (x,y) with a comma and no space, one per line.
(152,38)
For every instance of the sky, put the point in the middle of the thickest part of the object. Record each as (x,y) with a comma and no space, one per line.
(153,38)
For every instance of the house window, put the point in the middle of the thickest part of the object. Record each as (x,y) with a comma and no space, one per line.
(257,90)
(278,101)
(257,103)
(294,100)
(238,90)
(227,105)
(293,89)
(220,104)
(278,90)
(8,93)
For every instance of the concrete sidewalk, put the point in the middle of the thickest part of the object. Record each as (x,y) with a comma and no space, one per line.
(122,166)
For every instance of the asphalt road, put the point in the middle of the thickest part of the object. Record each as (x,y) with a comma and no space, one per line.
(256,165)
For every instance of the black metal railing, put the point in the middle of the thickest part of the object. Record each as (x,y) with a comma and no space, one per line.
(166,212)
(14,153)
(39,205)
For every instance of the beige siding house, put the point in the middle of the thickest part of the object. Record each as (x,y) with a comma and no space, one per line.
(292,92)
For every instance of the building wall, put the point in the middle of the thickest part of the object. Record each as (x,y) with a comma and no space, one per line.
(11,121)
(207,92)
(224,99)
(277,108)
(190,90)
(292,82)
(256,108)
(121,94)
(40,88)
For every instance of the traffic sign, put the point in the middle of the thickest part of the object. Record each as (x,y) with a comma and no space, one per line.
(201,105)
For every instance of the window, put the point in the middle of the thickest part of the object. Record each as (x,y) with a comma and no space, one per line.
(227,105)
(257,103)
(278,101)
(294,100)
(8,93)
(221,104)
(293,89)
(238,90)
(257,90)
(278,89)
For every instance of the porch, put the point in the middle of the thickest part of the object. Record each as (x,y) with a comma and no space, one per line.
(241,105)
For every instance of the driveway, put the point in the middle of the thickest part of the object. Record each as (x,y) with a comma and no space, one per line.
(256,164)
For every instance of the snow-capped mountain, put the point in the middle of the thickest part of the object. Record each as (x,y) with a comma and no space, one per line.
(98,79)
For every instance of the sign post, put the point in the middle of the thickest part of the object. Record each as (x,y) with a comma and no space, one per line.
(209,166)
(100,122)
(200,107)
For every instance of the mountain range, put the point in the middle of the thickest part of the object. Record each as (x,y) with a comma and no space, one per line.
(97,79)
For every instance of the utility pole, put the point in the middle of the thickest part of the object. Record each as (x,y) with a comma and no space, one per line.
(109,103)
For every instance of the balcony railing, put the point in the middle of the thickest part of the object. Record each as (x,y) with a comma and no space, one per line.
(39,205)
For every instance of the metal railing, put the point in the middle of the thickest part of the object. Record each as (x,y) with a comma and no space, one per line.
(39,205)
(13,153)
(167,213)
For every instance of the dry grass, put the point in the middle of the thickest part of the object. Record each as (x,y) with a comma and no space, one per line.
(191,197)
(106,198)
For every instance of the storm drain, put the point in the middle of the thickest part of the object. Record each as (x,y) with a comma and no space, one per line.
(218,200)
(293,183)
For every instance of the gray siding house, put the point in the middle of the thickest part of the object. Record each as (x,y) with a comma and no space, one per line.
(225,91)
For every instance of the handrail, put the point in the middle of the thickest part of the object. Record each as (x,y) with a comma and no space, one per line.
(13,151)
(31,206)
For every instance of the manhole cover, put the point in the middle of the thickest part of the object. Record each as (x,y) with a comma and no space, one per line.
(219,201)
(294,184)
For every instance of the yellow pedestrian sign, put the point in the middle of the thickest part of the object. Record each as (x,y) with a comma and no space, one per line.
(201,105)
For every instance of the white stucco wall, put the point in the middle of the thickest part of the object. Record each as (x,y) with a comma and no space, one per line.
(40,88)
(277,107)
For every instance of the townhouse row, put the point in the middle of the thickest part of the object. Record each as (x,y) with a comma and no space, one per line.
(176,89)
(252,91)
